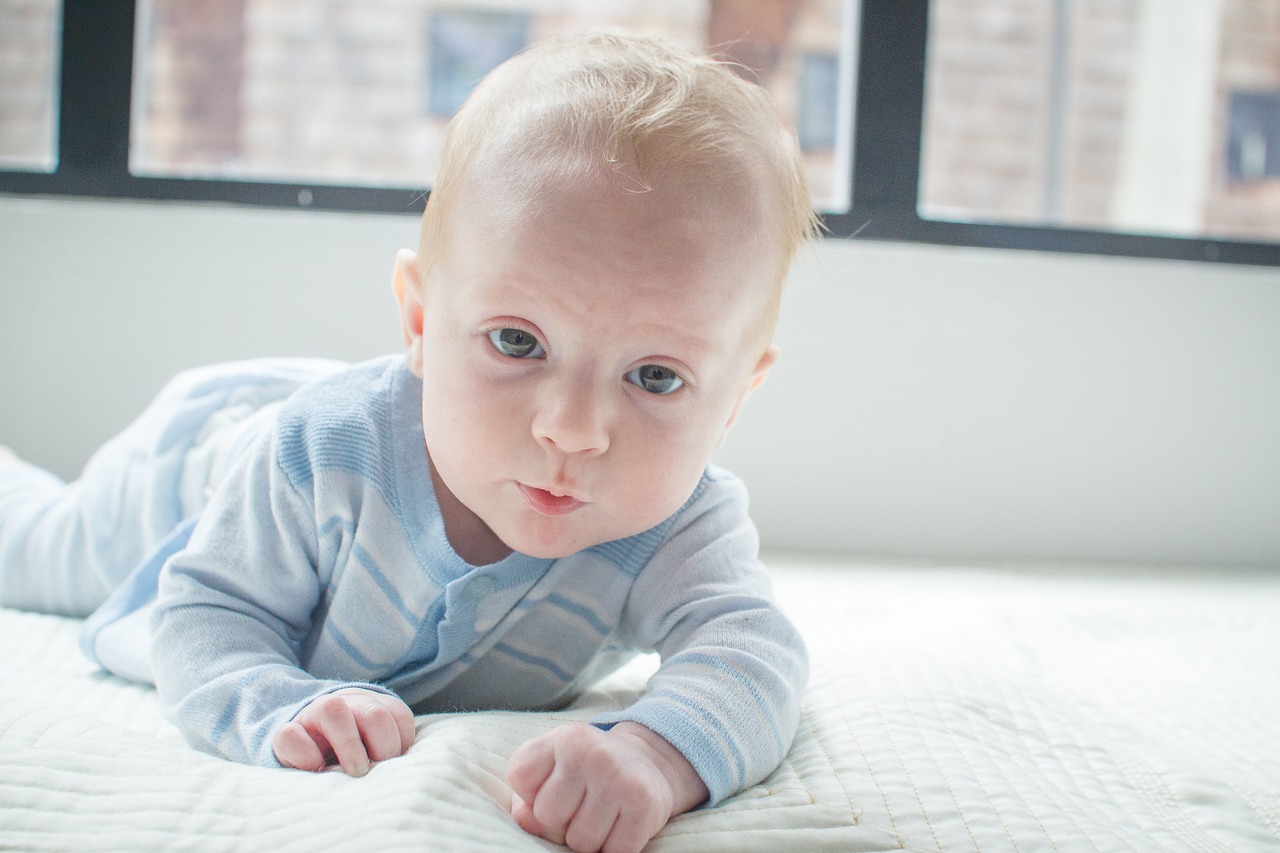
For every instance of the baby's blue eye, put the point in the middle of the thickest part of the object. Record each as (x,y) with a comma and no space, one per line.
(655,379)
(516,343)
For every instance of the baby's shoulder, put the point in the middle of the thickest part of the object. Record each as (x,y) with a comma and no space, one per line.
(718,491)
(347,420)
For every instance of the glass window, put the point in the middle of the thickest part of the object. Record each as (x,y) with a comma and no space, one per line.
(358,91)
(30,31)
(1253,137)
(465,46)
(1138,116)
(819,84)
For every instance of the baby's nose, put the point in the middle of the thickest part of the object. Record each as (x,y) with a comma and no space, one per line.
(573,420)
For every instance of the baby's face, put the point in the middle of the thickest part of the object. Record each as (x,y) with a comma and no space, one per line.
(581,362)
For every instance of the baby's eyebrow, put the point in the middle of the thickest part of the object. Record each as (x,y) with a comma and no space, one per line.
(705,340)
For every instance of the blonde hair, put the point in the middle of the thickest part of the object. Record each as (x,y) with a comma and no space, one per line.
(633,107)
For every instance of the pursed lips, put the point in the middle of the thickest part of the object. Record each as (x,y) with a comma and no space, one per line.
(548,503)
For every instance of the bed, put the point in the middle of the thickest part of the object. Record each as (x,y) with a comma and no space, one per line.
(950,708)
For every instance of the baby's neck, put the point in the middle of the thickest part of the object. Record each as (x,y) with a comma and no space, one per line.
(470,538)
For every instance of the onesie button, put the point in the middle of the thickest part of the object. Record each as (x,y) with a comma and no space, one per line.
(479,589)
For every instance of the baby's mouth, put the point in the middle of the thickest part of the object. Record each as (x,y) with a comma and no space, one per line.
(548,503)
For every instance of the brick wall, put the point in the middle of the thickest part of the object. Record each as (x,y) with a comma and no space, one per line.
(988,117)
(29,30)
(292,89)
(193,121)
(340,87)
(1250,61)
(985,116)
(1099,66)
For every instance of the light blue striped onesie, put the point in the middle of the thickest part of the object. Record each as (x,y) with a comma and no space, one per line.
(320,562)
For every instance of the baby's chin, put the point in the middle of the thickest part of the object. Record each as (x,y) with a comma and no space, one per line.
(557,544)
(544,550)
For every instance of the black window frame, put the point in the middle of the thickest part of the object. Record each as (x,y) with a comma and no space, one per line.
(95,89)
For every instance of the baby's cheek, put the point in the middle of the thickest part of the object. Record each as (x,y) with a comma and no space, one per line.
(658,487)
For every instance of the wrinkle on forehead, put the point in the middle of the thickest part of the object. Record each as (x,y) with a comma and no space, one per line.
(685,227)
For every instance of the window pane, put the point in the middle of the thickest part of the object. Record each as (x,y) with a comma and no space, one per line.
(359,91)
(465,46)
(1139,116)
(29,34)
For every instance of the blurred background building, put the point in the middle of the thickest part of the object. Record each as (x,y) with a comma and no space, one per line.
(1146,116)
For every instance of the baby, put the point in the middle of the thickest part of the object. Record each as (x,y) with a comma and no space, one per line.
(301,554)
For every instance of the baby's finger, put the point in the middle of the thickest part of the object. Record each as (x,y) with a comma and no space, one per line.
(379,730)
(336,724)
(295,748)
(522,812)
(591,824)
(405,724)
(631,832)
(558,800)
(529,767)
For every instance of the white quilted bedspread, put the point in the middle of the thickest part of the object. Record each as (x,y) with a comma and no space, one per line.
(949,709)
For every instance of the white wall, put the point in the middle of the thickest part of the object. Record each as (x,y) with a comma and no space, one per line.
(930,402)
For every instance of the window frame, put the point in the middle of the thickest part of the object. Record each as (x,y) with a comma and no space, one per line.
(95,90)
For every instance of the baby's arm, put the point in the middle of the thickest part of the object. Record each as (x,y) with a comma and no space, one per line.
(228,627)
(591,789)
(717,717)
(351,727)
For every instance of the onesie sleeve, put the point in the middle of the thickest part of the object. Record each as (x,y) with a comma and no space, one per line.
(234,610)
(727,693)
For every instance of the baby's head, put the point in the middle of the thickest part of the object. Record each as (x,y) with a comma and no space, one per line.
(636,114)
(597,285)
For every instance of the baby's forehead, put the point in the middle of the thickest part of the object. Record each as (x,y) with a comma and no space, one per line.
(690,253)
(684,200)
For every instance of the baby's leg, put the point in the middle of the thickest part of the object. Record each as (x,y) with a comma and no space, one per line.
(64,547)
(40,545)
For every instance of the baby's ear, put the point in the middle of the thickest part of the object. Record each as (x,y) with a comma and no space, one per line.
(406,284)
(763,366)
(758,375)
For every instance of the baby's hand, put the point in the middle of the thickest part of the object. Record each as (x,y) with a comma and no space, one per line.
(595,790)
(352,727)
